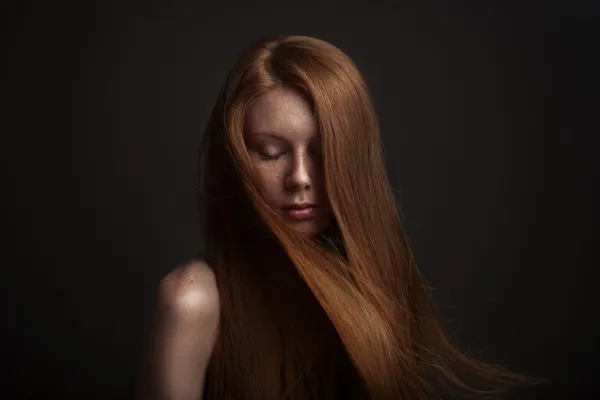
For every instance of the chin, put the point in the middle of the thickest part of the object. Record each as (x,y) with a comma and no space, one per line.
(308,228)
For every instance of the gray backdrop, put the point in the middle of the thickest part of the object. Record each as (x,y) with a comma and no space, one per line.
(487,136)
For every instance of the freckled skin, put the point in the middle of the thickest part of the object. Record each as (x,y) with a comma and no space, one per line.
(284,147)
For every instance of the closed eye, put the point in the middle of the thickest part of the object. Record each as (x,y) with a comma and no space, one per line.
(268,157)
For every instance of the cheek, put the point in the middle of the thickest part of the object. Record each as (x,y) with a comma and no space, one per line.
(269,182)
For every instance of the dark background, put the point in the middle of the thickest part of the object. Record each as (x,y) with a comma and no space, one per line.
(488,134)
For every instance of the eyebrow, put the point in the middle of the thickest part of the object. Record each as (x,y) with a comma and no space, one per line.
(276,136)
(273,135)
(270,135)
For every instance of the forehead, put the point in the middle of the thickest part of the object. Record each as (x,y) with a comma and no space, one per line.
(284,112)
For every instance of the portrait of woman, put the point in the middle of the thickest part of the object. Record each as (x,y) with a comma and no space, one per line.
(306,287)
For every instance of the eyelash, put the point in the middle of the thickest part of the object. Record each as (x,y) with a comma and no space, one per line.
(265,157)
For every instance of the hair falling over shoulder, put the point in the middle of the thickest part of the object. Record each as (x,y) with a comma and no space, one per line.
(304,320)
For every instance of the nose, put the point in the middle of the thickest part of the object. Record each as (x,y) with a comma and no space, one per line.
(300,174)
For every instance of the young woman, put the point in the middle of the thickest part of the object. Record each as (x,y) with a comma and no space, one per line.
(307,288)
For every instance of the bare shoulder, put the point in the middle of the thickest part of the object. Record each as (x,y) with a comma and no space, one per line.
(183,333)
(190,291)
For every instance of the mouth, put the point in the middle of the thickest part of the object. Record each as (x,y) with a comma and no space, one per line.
(300,211)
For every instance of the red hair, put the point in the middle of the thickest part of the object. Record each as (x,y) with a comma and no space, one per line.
(354,305)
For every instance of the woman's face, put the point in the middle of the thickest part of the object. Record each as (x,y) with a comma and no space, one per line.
(280,135)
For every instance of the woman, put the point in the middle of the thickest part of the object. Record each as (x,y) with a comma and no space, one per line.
(307,288)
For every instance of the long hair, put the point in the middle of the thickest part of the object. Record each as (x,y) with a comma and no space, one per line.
(300,315)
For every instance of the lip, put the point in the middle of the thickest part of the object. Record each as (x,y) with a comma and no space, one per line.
(300,211)
(298,206)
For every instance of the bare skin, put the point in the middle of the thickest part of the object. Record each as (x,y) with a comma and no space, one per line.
(285,151)
(183,334)
(281,139)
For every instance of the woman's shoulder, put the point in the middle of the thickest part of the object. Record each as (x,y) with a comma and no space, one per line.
(190,290)
(183,332)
